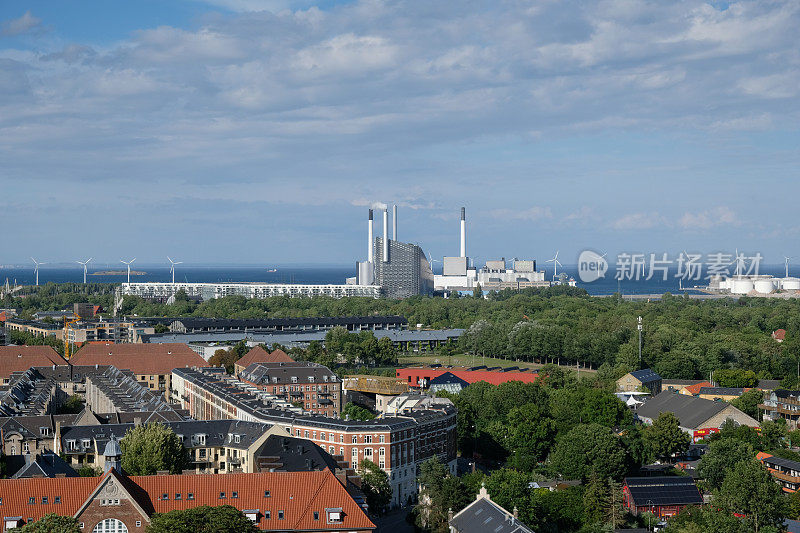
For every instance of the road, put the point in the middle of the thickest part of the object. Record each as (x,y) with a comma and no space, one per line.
(394,522)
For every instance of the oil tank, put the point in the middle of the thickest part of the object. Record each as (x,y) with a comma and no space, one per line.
(741,286)
(764,286)
(790,284)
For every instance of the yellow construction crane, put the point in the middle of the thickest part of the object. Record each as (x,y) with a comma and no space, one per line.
(67,324)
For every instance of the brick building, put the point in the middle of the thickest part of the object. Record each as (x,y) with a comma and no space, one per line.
(313,385)
(422,376)
(258,354)
(21,358)
(116,503)
(662,496)
(151,363)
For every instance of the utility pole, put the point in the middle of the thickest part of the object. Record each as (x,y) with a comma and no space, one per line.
(639,327)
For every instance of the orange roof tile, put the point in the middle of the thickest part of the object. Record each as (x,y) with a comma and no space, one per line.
(259,355)
(139,358)
(297,494)
(695,389)
(21,358)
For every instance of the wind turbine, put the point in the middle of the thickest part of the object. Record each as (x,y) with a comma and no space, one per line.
(556,264)
(129,267)
(787,265)
(84,263)
(38,264)
(172,268)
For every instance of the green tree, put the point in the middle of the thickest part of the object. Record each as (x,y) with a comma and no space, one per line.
(720,458)
(376,486)
(224,358)
(749,490)
(589,449)
(665,437)
(52,523)
(440,493)
(477,292)
(595,500)
(72,405)
(748,402)
(161,328)
(352,411)
(149,448)
(734,377)
(203,519)
(773,434)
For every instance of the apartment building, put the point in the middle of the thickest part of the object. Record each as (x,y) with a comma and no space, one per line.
(782,403)
(310,385)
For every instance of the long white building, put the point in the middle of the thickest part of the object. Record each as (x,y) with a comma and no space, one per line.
(209,291)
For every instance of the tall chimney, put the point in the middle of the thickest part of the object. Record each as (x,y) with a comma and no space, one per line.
(370,237)
(394,222)
(463,233)
(385,235)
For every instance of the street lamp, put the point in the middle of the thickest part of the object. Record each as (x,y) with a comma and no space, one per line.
(650,516)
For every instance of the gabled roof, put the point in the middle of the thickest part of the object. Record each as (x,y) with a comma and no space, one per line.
(297,494)
(645,375)
(140,358)
(21,358)
(483,515)
(663,490)
(723,391)
(695,389)
(691,411)
(448,378)
(259,355)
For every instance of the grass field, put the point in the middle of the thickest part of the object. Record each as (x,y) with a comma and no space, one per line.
(468,360)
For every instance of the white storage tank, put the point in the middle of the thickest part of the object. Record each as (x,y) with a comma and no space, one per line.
(741,286)
(790,284)
(764,286)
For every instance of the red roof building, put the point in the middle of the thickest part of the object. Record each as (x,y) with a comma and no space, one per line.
(275,501)
(421,376)
(21,358)
(779,335)
(259,355)
(151,363)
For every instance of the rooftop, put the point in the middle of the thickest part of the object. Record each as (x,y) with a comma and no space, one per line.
(663,490)
(147,359)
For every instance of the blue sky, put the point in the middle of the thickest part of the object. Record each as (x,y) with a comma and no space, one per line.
(259,131)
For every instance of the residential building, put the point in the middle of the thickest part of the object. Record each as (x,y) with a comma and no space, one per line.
(298,324)
(720,393)
(258,354)
(115,502)
(639,380)
(397,444)
(694,389)
(696,416)
(308,385)
(679,385)
(782,403)
(208,291)
(786,472)
(484,515)
(109,330)
(20,358)
(35,327)
(40,464)
(423,376)
(664,496)
(151,363)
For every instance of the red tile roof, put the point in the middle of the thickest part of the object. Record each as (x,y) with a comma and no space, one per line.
(779,334)
(297,494)
(493,377)
(695,389)
(139,358)
(21,358)
(260,355)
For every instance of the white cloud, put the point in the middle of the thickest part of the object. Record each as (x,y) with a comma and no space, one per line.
(24,24)
(703,220)
(530,214)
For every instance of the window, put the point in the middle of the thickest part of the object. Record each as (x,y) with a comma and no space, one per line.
(165,496)
(138,523)
(44,431)
(26,448)
(305,433)
(367,439)
(234,494)
(177,495)
(266,494)
(266,515)
(280,514)
(334,515)
(355,452)
(367,452)
(110,525)
(202,453)
(237,439)
(355,439)
(31,501)
(316,515)
(382,438)
(57,499)
(44,500)
(382,452)
(221,495)
(190,496)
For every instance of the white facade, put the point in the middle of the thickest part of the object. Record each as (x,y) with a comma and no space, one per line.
(208,291)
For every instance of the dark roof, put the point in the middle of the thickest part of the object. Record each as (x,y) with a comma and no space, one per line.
(46,464)
(691,411)
(784,393)
(484,515)
(448,378)
(282,373)
(675,490)
(645,375)
(768,384)
(780,461)
(284,453)
(722,391)
(270,323)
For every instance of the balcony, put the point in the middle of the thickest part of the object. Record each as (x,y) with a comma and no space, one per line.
(782,476)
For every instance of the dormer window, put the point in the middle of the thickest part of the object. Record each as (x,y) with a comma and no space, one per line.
(237,439)
(294,379)
(44,431)
(334,515)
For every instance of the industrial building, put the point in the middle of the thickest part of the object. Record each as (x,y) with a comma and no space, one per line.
(400,269)
(458,274)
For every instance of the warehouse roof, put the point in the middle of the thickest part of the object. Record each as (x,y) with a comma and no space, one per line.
(690,410)
(269,323)
(663,490)
(645,375)
(139,358)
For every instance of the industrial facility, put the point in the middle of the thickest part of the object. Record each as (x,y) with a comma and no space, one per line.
(755,285)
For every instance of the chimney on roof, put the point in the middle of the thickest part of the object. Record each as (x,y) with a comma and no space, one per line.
(370,229)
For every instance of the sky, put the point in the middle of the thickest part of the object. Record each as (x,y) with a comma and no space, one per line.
(261,131)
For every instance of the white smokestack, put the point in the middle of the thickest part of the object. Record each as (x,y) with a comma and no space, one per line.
(385,235)
(463,234)
(394,222)
(370,237)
